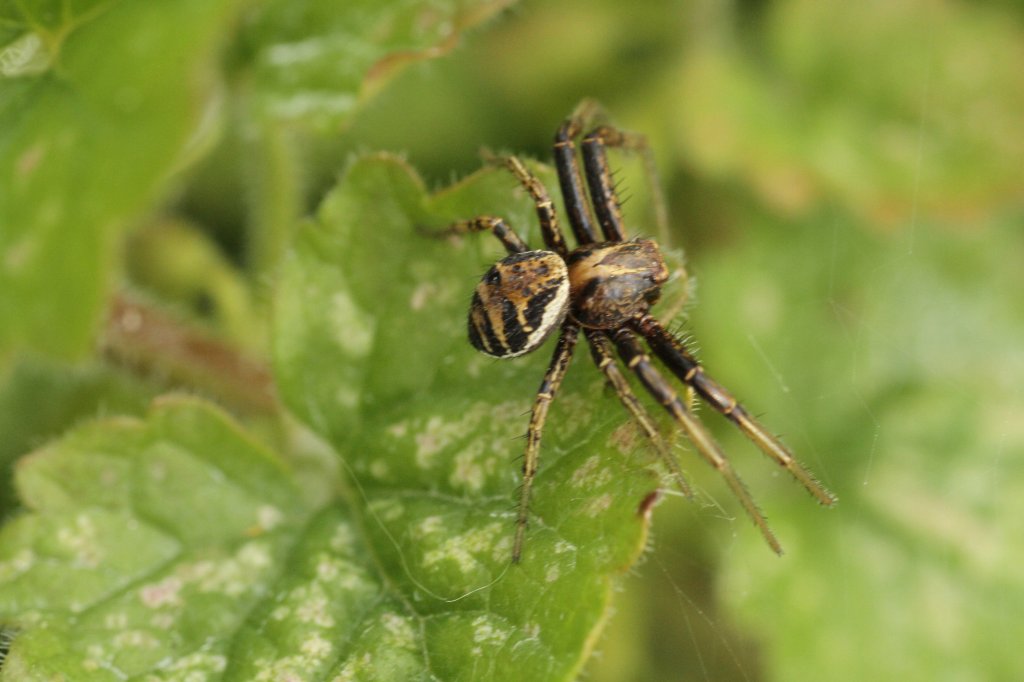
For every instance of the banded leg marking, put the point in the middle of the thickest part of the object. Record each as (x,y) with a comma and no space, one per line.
(538,415)
(546,214)
(678,359)
(570,179)
(604,358)
(633,355)
(512,242)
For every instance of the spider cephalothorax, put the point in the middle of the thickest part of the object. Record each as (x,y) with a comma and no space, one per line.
(611,284)
(603,288)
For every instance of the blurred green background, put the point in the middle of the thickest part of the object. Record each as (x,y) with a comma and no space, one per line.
(845,179)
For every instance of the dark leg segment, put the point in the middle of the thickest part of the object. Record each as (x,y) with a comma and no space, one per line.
(590,116)
(548,388)
(678,359)
(549,229)
(509,239)
(569,177)
(635,358)
(599,180)
(601,351)
(602,188)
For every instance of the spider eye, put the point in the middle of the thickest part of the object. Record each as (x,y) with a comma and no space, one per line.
(518,303)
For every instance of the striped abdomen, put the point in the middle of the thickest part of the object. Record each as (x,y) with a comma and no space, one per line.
(518,303)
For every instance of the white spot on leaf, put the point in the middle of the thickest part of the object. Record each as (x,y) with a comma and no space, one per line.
(400,628)
(437,434)
(502,549)
(599,504)
(135,639)
(486,631)
(590,475)
(470,470)
(563,546)
(343,538)
(313,608)
(268,517)
(353,328)
(81,540)
(421,294)
(461,549)
(198,665)
(17,564)
(430,525)
(317,647)
(379,469)
(327,569)
(167,592)
(431,440)
(346,397)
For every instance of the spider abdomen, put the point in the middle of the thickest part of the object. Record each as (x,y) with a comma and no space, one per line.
(518,303)
(614,282)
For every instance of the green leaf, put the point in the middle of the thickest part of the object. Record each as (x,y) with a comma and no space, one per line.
(177,547)
(934,87)
(101,103)
(913,421)
(302,70)
(147,545)
(314,63)
(39,399)
(371,352)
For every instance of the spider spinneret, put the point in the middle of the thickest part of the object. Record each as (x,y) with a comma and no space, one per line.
(604,289)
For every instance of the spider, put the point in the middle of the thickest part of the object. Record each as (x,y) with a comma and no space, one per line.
(603,288)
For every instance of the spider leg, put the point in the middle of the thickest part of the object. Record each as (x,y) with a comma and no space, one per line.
(602,187)
(549,229)
(538,415)
(678,359)
(599,179)
(601,351)
(635,358)
(512,242)
(569,177)
(590,115)
(595,166)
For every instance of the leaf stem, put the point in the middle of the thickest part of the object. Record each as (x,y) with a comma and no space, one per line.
(144,337)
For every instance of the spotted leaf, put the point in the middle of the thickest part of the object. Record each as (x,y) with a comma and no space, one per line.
(372,353)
